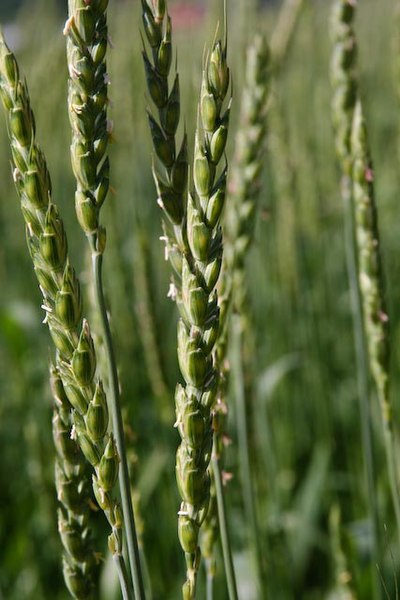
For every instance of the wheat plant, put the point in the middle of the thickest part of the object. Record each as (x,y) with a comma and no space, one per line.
(75,356)
(194,246)
(363,253)
(86,31)
(344,84)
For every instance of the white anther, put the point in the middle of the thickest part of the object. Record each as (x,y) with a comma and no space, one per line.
(46,308)
(30,230)
(172,291)
(164,238)
(68,25)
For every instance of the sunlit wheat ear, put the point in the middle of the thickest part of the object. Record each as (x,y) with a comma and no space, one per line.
(86,33)
(47,243)
(198,304)
(87,43)
(240,216)
(194,247)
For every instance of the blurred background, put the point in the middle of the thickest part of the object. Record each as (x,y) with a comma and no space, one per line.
(305,427)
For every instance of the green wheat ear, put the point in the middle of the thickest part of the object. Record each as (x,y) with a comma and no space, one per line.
(170,171)
(358,191)
(370,269)
(47,243)
(194,247)
(240,218)
(198,305)
(87,42)
(245,180)
(86,32)
(343,79)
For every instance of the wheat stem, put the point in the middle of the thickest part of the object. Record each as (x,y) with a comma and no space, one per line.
(123,577)
(243,445)
(126,498)
(224,529)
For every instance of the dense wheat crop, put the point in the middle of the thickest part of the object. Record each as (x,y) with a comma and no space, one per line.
(274,283)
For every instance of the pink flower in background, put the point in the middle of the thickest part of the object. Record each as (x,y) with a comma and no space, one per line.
(186,15)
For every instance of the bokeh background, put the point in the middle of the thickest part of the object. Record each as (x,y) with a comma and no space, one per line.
(305,427)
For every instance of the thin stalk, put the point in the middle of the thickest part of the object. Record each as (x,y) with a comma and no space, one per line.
(123,577)
(243,447)
(391,458)
(146,575)
(115,409)
(224,532)
(362,371)
(210,585)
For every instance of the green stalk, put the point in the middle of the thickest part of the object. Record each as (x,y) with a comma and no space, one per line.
(210,583)
(243,445)
(123,577)
(224,531)
(361,354)
(114,402)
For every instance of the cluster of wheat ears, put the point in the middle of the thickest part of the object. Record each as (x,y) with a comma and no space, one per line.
(208,219)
